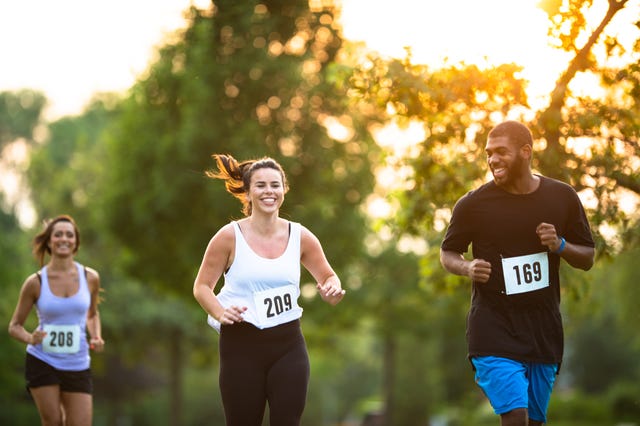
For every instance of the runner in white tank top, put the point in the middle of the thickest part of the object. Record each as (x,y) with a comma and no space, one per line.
(263,356)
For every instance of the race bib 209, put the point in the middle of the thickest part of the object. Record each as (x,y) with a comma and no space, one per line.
(273,302)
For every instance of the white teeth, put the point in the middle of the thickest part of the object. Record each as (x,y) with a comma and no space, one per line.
(499,172)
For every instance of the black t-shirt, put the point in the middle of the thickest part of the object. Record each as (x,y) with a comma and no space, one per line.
(516,314)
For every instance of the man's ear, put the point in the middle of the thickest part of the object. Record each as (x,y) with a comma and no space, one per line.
(527,151)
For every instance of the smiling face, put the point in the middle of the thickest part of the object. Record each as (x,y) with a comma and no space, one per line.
(266,191)
(63,241)
(508,161)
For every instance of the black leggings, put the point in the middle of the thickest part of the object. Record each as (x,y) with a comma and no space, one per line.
(260,366)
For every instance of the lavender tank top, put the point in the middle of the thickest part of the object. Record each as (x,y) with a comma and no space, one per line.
(65,346)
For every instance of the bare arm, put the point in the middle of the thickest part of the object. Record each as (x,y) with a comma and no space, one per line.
(29,293)
(94,324)
(217,258)
(576,255)
(314,260)
(478,270)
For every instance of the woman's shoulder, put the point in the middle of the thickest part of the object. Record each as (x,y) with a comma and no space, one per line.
(228,230)
(306,235)
(33,280)
(91,272)
(225,235)
(294,225)
(31,285)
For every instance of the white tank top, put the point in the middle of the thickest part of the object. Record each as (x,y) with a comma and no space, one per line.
(269,288)
(65,346)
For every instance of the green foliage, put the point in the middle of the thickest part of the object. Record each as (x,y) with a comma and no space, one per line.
(19,411)
(576,407)
(20,113)
(202,393)
(64,174)
(146,333)
(600,355)
(14,268)
(458,105)
(624,400)
(342,376)
(19,116)
(602,339)
(607,167)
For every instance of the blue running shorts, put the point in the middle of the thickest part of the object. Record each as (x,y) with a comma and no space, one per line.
(510,384)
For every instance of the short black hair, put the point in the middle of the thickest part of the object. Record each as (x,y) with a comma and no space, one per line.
(515,131)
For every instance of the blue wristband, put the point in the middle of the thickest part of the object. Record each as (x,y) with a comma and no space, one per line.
(563,242)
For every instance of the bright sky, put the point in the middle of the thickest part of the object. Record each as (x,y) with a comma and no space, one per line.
(71,49)
(460,29)
(480,32)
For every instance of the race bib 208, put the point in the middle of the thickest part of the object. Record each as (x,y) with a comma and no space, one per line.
(61,339)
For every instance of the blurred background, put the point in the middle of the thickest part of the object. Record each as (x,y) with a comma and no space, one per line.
(379,113)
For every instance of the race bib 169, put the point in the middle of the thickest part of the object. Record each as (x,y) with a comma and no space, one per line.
(523,274)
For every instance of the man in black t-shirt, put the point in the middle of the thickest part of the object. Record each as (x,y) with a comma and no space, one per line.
(519,227)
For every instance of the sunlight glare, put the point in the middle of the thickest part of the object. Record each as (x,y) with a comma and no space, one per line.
(378,207)
(401,139)
(484,33)
(339,129)
(13,162)
(64,50)
(411,244)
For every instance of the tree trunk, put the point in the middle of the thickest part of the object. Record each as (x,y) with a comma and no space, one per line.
(175,378)
(388,382)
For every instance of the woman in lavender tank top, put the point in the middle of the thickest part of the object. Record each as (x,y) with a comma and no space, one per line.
(65,295)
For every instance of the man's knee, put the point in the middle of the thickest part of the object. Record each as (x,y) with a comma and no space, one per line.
(517,417)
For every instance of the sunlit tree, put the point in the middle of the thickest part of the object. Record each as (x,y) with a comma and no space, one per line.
(590,142)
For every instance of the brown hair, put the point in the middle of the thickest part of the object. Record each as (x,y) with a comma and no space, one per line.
(41,241)
(237,175)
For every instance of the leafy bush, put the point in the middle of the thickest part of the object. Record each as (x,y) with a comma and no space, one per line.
(575,406)
(624,400)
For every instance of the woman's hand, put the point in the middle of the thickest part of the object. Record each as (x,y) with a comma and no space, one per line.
(37,337)
(97,344)
(331,291)
(232,315)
